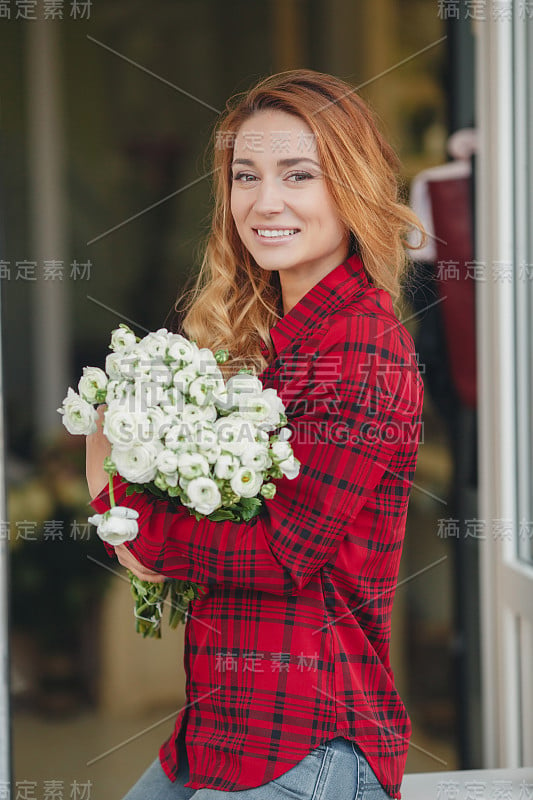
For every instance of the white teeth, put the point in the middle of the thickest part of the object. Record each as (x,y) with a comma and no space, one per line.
(273,234)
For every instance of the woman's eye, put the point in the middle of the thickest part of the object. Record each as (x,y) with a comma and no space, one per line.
(300,176)
(242,175)
(247,177)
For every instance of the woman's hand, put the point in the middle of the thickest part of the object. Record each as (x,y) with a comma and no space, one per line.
(97,448)
(129,561)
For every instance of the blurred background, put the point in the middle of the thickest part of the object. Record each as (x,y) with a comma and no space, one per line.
(106,114)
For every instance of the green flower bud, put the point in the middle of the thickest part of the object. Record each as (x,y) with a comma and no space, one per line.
(221,356)
(268,490)
(109,466)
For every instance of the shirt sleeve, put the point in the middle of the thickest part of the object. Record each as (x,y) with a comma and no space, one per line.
(356,403)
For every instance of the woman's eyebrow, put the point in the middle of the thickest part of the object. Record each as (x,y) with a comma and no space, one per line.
(283,162)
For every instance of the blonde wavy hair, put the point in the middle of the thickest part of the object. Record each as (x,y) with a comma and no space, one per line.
(234,302)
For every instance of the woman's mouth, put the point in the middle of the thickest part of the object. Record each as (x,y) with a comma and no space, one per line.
(275,235)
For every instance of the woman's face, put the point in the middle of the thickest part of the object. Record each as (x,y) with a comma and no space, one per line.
(282,208)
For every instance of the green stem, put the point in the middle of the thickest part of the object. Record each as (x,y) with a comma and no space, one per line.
(111,493)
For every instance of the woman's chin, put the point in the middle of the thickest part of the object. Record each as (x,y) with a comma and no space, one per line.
(275,261)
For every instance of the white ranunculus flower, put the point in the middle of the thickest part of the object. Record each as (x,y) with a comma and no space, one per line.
(153,393)
(139,364)
(205,363)
(115,390)
(126,398)
(155,344)
(112,363)
(121,365)
(255,408)
(186,448)
(192,415)
(235,434)
(205,435)
(200,390)
(206,389)
(281,451)
(160,423)
(246,482)
(290,467)
(276,407)
(172,401)
(256,457)
(209,414)
(243,384)
(204,495)
(122,338)
(172,480)
(116,526)
(92,381)
(226,466)
(167,462)
(221,398)
(284,435)
(140,396)
(238,386)
(127,362)
(138,463)
(218,385)
(184,377)
(180,349)
(206,440)
(261,435)
(216,376)
(183,484)
(180,435)
(165,481)
(123,428)
(161,375)
(192,465)
(79,416)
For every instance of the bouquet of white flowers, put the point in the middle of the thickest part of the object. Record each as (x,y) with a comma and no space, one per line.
(178,430)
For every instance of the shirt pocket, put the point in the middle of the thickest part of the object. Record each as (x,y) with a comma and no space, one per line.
(301,780)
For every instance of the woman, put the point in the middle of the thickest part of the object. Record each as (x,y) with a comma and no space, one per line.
(289,687)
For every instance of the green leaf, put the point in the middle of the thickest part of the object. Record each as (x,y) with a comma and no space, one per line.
(249,514)
(132,488)
(221,514)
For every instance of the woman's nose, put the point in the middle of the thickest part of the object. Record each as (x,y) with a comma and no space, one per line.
(268,197)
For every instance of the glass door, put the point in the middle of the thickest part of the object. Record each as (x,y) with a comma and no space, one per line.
(505,336)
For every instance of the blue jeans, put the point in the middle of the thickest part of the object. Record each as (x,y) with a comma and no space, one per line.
(336,769)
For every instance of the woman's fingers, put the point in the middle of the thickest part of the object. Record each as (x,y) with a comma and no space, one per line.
(129,561)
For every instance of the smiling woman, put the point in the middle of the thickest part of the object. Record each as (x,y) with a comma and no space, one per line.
(286,217)
(303,261)
(315,162)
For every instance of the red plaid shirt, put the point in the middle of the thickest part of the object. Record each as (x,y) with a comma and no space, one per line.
(290,646)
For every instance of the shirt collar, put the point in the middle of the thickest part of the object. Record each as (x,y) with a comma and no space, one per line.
(334,291)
